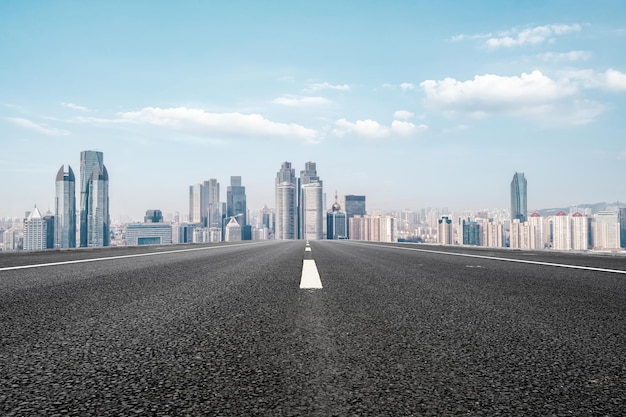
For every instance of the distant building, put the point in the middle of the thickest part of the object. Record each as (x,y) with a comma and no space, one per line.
(373,228)
(606,231)
(581,226)
(65,209)
(622,227)
(336,222)
(471,233)
(538,238)
(197,204)
(444,231)
(354,205)
(311,204)
(312,220)
(268,219)
(212,188)
(153,216)
(236,201)
(492,233)
(286,203)
(35,231)
(519,205)
(233,231)
(138,234)
(10,240)
(94,200)
(562,235)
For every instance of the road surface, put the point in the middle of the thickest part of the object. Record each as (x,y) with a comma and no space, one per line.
(391,329)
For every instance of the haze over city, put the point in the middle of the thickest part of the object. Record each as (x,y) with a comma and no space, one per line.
(413,104)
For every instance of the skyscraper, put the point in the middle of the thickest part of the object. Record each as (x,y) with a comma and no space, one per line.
(236,200)
(94,200)
(197,204)
(65,209)
(214,206)
(286,203)
(519,206)
(311,204)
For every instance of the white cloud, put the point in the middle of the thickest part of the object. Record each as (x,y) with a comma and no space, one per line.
(565,56)
(615,80)
(293,101)
(35,127)
(535,96)
(407,86)
(519,37)
(371,129)
(75,107)
(491,92)
(403,115)
(326,86)
(229,124)
(611,79)
(530,36)
(621,156)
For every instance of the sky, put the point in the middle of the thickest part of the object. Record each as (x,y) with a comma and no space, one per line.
(411,103)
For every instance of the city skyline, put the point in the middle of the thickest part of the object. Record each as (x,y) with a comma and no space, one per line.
(414,104)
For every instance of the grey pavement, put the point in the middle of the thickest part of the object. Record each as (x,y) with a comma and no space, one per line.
(225,330)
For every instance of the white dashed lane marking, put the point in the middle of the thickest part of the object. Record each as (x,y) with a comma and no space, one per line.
(310,278)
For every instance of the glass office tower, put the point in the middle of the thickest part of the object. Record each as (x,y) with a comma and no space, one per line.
(94,200)
(65,209)
(519,206)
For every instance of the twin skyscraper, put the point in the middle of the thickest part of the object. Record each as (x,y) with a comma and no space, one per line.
(299,203)
(94,204)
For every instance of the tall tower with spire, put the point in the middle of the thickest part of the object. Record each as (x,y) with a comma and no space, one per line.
(519,204)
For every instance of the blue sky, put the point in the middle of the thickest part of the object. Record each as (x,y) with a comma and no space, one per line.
(412,103)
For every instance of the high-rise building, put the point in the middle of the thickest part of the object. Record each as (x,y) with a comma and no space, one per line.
(286,203)
(311,210)
(94,200)
(336,222)
(471,233)
(580,231)
(310,204)
(562,229)
(197,204)
(65,209)
(444,231)
(236,201)
(519,205)
(538,238)
(35,231)
(213,200)
(622,227)
(233,231)
(606,231)
(354,205)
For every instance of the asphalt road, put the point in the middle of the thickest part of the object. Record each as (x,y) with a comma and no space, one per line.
(396,330)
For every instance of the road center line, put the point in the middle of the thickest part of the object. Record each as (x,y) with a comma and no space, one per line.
(310,276)
(495,258)
(108,258)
